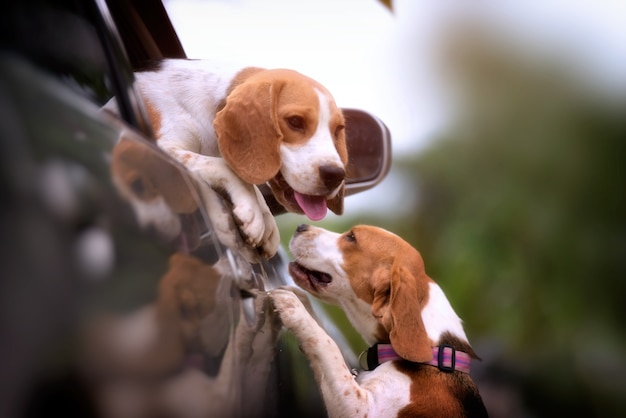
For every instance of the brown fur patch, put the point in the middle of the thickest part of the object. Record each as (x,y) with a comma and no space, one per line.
(238,79)
(155,117)
(144,171)
(439,394)
(242,76)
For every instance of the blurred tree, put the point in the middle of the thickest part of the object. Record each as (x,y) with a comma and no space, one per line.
(521,219)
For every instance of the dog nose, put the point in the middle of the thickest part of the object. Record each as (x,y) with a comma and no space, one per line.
(302,228)
(331,176)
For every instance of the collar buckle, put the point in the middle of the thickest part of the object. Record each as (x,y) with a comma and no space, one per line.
(443,358)
(368,359)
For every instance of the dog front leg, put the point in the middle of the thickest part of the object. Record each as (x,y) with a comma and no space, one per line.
(342,395)
(249,209)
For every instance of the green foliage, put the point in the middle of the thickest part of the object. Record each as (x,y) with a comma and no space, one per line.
(522,223)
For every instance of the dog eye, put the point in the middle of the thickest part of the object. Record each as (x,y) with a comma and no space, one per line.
(296,123)
(138,187)
(338,130)
(350,237)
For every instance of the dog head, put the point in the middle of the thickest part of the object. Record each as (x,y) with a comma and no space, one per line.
(281,127)
(380,282)
(158,191)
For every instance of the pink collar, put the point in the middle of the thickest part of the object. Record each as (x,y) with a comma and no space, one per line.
(445,357)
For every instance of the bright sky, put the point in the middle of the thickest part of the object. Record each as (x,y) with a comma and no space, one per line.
(382,62)
(379,61)
(350,46)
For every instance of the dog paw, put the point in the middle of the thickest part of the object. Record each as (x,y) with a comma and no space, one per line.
(271,237)
(291,309)
(302,295)
(256,223)
(242,221)
(222,223)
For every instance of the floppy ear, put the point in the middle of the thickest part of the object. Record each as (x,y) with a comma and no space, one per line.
(336,203)
(398,306)
(248,133)
(148,173)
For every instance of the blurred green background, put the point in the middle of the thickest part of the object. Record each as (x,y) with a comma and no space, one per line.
(517,207)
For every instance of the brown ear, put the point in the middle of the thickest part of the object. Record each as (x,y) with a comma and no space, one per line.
(398,306)
(248,133)
(189,288)
(148,172)
(336,203)
(381,282)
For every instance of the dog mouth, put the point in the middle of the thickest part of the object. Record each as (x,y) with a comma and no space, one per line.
(313,206)
(308,278)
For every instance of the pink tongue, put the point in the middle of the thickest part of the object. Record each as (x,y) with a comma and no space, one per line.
(313,206)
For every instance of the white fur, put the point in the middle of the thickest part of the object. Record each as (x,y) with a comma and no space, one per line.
(379,393)
(439,316)
(188,123)
(321,247)
(318,150)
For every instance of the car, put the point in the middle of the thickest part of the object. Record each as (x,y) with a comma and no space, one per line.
(102,314)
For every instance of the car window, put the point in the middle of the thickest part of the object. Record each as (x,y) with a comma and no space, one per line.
(74,55)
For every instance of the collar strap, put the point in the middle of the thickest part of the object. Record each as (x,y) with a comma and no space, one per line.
(445,358)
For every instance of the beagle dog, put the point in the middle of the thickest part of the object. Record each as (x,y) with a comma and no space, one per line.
(237,127)
(418,365)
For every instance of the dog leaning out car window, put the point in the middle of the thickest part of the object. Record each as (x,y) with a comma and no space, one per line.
(235,127)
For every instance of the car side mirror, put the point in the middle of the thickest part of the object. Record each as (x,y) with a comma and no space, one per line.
(369,150)
(369,155)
